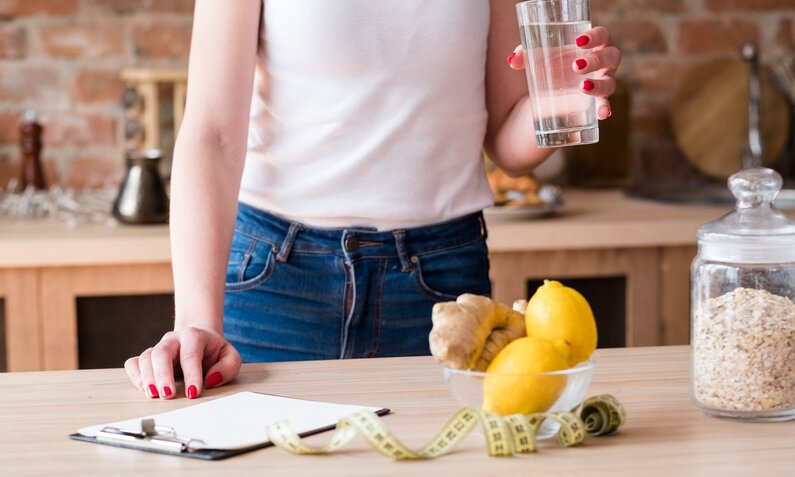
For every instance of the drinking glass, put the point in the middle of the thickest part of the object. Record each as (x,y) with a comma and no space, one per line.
(563,115)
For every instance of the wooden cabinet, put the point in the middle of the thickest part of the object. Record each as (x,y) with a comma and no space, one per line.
(41,307)
(657,286)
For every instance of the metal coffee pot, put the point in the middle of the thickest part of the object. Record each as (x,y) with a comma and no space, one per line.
(142,197)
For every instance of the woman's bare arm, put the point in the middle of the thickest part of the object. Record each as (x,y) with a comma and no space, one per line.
(510,141)
(207,167)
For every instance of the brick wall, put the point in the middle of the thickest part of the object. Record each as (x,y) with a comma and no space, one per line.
(662,39)
(62,58)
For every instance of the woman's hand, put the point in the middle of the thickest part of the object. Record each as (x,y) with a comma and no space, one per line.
(602,61)
(204,356)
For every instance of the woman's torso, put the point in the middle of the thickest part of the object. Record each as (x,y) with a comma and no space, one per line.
(369,112)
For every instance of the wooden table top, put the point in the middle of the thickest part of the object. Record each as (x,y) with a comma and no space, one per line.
(664,434)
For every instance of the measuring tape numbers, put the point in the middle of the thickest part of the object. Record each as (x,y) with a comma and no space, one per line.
(505,436)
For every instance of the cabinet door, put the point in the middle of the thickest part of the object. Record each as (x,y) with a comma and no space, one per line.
(61,289)
(111,329)
(639,268)
(20,325)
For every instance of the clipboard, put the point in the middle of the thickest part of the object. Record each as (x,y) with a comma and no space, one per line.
(220,428)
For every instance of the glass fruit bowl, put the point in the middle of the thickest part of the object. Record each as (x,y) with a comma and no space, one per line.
(554,391)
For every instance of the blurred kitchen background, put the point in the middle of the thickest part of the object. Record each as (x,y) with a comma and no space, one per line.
(63,59)
(89,295)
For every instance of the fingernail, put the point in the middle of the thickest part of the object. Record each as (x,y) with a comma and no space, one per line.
(166,391)
(153,391)
(214,379)
(588,85)
(192,392)
(511,57)
(604,112)
(582,40)
(580,64)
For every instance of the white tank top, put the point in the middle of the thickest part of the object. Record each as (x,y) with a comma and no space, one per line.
(369,112)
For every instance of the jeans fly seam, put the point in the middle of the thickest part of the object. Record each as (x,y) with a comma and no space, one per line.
(378,313)
(349,296)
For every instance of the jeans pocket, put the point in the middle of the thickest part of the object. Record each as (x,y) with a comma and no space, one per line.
(446,275)
(251,263)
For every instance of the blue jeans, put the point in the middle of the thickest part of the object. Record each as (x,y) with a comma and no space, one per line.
(295,292)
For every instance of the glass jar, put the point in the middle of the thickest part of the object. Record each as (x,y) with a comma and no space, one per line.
(742,310)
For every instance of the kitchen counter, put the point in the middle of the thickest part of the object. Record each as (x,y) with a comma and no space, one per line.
(664,433)
(589,219)
(46,266)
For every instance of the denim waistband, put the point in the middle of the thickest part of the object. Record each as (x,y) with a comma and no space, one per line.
(288,236)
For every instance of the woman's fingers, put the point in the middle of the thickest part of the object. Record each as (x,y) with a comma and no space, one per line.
(131,367)
(516,59)
(604,86)
(147,375)
(194,349)
(603,110)
(594,38)
(191,354)
(604,60)
(226,368)
(163,356)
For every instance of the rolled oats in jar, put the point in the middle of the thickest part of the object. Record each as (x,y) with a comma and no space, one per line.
(743,306)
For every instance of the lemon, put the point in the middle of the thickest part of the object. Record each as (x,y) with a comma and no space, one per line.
(511,387)
(561,315)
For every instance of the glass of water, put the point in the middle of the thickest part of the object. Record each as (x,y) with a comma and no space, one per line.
(563,114)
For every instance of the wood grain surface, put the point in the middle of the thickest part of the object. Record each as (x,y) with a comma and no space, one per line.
(709,115)
(664,435)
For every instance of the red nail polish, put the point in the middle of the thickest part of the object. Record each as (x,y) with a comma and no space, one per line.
(153,391)
(582,40)
(192,392)
(511,57)
(166,391)
(214,379)
(588,85)
(580,64)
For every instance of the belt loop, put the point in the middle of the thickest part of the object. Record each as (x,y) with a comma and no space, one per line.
(400,243)
(287,244)
(483,229)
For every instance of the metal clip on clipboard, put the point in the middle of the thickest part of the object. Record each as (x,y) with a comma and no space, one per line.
(150,437)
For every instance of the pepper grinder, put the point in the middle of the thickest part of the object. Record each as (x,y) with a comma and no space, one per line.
(30,132)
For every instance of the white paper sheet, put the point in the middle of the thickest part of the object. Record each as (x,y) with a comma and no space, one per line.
(238,421)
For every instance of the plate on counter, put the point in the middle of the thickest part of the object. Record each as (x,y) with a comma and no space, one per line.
(549,194)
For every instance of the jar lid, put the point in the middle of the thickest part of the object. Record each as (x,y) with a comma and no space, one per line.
(755,231)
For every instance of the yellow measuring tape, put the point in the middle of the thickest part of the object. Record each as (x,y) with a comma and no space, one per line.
(515,434)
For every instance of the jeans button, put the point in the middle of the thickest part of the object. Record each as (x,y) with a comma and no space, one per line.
(352,243)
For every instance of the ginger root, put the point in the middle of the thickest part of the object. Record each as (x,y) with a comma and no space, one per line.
(469,332)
